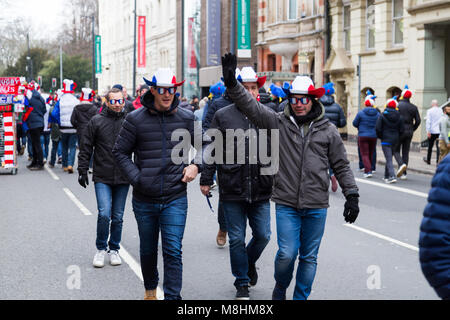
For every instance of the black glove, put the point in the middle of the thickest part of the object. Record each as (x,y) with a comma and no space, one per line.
(83,179)
(229,64)
(351,208)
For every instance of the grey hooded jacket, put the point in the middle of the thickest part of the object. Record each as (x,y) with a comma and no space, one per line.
(305,154)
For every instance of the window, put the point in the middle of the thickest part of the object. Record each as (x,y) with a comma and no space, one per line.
(292,10)
(347,26)
(397,22)
(370,24)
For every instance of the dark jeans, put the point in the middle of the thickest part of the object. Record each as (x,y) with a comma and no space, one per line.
(434,138)
(170,219)
(373,162)
(389,168)
(111,205)
(367,147)
(241,256)
(403,145)
(69,148)
(45,141)
(38,157)
(56,149)
(221,217)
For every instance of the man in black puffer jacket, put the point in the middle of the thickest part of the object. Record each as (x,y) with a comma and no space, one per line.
(111,186)
(411,119)
(159,182)
(244,191)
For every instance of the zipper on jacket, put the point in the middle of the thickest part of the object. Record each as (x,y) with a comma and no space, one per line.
(163,153)
(249,199)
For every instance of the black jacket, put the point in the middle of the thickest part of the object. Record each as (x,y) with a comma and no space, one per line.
(389,127)
(238,182)
(410,115)
(81,115)
(333,111)
(148,133)
(99,137)
(36,117)
(215,105)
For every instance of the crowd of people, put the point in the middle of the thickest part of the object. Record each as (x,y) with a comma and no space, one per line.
(126,142)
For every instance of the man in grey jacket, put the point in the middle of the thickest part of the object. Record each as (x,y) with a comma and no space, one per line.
(308,145)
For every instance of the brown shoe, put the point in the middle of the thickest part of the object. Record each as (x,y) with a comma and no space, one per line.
(150,295)
(65,169)
(221,238)
(70,169)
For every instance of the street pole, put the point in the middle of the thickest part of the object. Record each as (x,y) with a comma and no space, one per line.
(93,52)
(60,67)
(29,62)
(233,27)
(134,48)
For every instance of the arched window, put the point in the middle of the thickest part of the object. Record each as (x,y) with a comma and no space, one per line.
(393,91)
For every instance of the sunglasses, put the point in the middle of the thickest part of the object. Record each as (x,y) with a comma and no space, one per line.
(162,91)
(114,101)
(303,100)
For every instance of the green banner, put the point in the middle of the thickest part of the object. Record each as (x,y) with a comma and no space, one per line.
(98,54)
(243,30)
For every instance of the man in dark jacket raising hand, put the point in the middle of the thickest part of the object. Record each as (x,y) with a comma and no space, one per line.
(308,146)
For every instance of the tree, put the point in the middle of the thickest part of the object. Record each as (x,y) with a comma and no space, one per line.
(75,68)
(37,55)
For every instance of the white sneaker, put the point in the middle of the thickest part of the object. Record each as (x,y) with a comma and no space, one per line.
(99,259)
(401,170)
(403,177)
(114,258)
(368,175)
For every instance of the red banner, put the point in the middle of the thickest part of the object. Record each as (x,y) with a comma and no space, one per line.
(141,42)
(192,58)
(9,85)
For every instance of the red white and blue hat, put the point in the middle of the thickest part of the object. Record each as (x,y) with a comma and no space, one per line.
(164,77)
(303,85)
(69,86)
(370,99)
(392,103)
(87,94)
(406,93)
(247,74)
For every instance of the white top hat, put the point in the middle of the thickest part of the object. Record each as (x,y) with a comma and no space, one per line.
(164,77)
(303,85)
(247,74)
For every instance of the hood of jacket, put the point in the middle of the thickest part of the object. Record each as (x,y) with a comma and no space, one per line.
(370,111)
(327,100)
(393,116)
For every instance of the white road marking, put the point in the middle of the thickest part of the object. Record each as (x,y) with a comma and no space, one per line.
(54,176)
(391,187)
(136,268)
(77,202)
(132,263)
(378,235)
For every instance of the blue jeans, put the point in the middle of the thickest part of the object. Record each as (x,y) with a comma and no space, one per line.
(56,148)
(69,148)
(236,214)
(45,141)
(170,218)
(299,232)
(111,205)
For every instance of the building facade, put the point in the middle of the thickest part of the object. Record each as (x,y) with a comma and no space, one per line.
(116,27)
(383,45)
(292,39)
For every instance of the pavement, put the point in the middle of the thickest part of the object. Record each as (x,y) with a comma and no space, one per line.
(416,163)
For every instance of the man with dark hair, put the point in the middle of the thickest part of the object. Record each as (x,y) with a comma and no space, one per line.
(308,146)
(411,119)
(111,186)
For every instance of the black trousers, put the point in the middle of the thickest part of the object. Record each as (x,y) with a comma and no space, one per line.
(434,138)
(38,156)
(403,145)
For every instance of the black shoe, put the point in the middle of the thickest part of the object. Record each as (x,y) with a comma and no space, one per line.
(426,160)
(37,167)
(252,274)
(242,293)
(31,165)
(278,293)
